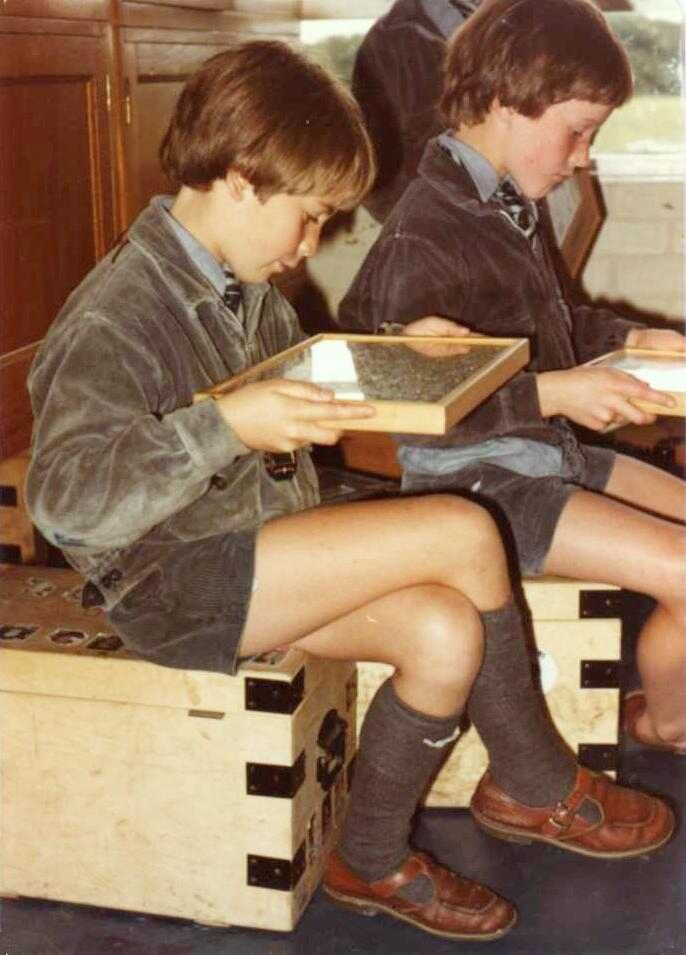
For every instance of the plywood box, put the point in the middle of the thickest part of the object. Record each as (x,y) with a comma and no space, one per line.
(173,792)
(578,636)
(17,535)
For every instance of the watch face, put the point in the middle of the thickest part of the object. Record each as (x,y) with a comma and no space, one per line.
(280,467)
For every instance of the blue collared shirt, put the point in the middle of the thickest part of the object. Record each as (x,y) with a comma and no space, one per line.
(482,172)
(201,257)
(444,15)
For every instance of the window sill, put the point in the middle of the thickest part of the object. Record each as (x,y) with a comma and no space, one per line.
(643,167)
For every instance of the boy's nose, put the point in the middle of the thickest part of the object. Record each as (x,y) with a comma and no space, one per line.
(582,156)
(310,241)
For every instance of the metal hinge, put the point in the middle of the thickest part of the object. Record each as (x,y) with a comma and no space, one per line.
(275,696)
(282,782)
(282,874)
(599,757)
(624,604)
(599,674)
(207,714)
(127,102)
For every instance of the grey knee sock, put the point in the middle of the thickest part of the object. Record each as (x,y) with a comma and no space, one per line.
(527,756)
(398,752)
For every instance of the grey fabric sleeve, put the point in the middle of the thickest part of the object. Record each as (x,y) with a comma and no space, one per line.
(108,461)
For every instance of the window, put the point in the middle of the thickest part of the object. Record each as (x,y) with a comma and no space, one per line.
(334,43)
(647,136)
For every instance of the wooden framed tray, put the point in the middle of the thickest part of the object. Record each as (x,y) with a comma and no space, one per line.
(417,384)
(662,370)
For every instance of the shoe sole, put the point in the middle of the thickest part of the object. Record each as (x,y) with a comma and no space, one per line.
(365,907)
(524,837)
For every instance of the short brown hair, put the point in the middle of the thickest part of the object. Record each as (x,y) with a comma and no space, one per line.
(277,118)
(529,55)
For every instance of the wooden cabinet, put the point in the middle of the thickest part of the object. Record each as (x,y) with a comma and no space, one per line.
(160,47)
(56,187)
(86,91)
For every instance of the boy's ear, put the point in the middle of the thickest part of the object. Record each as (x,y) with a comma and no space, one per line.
(236,184)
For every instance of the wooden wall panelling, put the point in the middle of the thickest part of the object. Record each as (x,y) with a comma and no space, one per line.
(58,9)
(56,211)
(195,4)
(160,48)
(153,76)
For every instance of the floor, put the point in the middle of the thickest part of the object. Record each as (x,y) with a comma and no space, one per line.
(568,905)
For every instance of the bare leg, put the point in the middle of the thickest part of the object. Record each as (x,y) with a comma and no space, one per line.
(601,539)
(395,581)
(648,487)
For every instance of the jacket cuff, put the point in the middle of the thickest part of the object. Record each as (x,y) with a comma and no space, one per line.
(523,405)
(208,439)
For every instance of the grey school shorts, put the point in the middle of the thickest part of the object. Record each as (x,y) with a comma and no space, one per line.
(525,508)
(190,612)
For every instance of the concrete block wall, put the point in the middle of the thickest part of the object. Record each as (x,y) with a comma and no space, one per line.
(638,258)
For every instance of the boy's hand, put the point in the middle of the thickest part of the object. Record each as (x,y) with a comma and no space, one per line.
(435,325)
(597,397)
(280,415)
(664,339)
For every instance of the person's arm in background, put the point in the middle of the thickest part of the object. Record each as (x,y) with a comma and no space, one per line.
(396,80)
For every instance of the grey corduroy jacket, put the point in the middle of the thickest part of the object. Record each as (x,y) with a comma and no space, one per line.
(123,463)
(443,251)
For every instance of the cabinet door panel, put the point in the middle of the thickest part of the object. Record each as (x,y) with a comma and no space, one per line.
(55,192)
(78,9)
(155,74)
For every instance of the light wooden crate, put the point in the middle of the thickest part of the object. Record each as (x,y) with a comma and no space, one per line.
(578,636)
(18,539)
(173,792)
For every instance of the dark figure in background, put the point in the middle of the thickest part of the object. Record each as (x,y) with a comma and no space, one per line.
(397,81)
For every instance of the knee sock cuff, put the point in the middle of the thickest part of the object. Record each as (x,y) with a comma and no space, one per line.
(388,690)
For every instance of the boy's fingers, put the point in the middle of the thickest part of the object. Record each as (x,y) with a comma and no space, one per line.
(631,387)
(322,435)
(643,391)
(303,389)
(339,409)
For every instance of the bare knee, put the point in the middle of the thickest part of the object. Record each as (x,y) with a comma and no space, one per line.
(445,643)
(458,521)
(668,585)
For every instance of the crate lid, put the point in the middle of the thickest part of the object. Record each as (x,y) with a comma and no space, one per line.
(50,645)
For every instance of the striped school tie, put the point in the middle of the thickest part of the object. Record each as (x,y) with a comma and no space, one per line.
(232,296)
(516,208)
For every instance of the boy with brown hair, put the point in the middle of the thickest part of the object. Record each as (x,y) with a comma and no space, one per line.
(180,518)
(527,85)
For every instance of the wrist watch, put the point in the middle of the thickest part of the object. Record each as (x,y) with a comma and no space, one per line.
(280,467)
(391,328)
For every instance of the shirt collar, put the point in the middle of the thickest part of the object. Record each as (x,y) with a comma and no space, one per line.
(481,171)
(201,257)
(444,15)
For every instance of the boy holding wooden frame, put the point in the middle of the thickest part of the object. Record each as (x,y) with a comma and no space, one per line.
(527,83)
(201,553)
